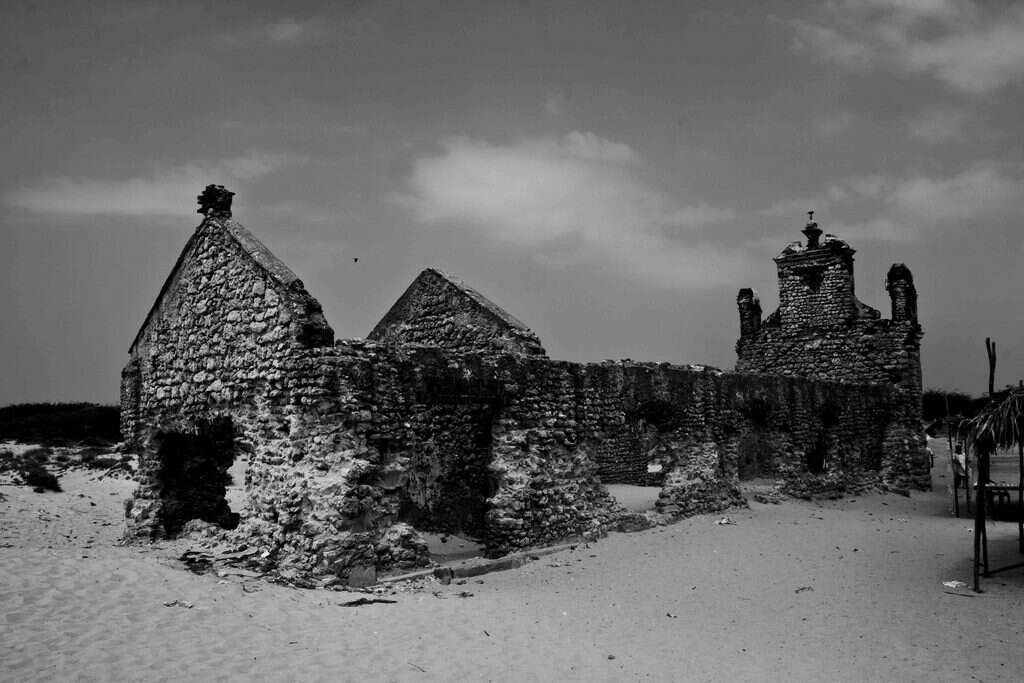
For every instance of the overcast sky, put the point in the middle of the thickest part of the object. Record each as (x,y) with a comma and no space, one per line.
(609,172)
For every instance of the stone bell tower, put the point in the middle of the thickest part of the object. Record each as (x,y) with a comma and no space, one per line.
(822,331)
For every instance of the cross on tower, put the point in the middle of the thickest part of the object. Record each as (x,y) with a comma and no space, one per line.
(812,231)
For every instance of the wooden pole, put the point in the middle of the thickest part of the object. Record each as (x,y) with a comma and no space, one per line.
(980,537)
(967,485)
(990,350)
(1020,494)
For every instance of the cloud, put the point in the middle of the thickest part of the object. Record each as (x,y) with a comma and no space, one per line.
(791,208)
(834,124)
(291,32)
(980,191)
(698,215)
(166,191)
(595,148)
(831,45)
(554,104)
(578,199)
(972,47)
(884,208)
(285,32)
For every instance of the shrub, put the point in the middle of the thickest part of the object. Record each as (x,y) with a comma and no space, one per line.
(39,478)
(7,461)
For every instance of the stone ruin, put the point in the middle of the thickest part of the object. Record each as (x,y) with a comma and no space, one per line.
(451,418)
(822,331)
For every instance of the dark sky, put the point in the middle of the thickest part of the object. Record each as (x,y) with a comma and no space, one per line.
(610,173)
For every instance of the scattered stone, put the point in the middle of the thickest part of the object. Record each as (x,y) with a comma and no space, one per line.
(179,603)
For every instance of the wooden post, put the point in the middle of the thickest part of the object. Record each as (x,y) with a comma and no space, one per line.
(967,486)
(980,536)
(952,461)
(990,349)
(1020,494)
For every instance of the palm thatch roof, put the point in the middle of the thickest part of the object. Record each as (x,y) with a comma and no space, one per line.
(998,425)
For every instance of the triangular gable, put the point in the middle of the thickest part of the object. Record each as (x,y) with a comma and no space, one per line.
(442,310)
(253,248)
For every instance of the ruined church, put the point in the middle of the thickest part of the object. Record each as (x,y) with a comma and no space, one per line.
(450,416)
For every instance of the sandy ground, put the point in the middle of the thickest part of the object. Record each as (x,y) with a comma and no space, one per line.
(846,590)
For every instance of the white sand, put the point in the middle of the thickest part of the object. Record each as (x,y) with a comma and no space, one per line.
(847,590)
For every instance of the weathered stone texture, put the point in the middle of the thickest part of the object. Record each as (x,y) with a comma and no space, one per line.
(441,310)
(354,447)
(230,325)
(822,331)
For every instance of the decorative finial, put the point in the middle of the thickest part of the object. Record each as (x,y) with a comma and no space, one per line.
(812,231)
(215,202)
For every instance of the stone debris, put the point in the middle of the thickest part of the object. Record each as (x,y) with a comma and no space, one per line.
(179,603)
(359,602)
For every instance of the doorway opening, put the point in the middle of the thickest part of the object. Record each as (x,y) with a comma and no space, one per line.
(754,457)
(193,475)
(815,457)
(449,482)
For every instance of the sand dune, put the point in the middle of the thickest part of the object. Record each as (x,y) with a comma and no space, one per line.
(846,590)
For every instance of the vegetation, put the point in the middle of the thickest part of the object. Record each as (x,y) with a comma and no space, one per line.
(934,403)
(61,424)
(31,465)
(1000,424)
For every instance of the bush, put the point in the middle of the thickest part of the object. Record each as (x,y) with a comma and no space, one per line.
(7,461)
(39,478)
(31,465)
(36,456)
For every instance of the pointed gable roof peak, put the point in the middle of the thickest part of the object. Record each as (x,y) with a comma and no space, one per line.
(441,309)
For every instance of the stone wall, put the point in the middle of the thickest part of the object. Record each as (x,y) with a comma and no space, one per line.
(822,331)
(695,431)
(230,325)
(441,310)
(353,447)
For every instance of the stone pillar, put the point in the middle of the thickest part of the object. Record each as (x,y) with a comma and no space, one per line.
(131,378)
(750,312)
(900,285)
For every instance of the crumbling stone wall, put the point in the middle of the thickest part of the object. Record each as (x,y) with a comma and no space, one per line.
(352,446)
(694,425)
(221,341)
(441,310)
(822,331)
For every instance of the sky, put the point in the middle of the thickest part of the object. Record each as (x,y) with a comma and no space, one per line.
(610,173)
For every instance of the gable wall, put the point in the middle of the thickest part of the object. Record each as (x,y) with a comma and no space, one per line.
(223,341)
(435,311)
